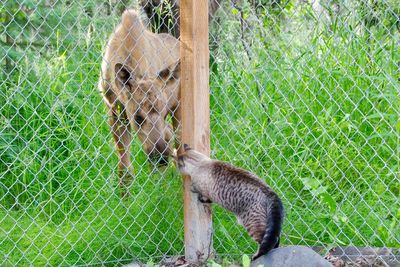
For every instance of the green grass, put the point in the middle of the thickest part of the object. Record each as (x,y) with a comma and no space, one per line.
(318,121)
(325,134)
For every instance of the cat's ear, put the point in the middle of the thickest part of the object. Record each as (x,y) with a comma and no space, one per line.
(186,147)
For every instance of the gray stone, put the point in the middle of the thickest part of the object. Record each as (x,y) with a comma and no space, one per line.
(133,264)
(291,256)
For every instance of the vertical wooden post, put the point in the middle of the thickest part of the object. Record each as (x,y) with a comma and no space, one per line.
(195,119)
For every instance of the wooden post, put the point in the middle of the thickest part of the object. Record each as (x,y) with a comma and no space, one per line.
(195,119)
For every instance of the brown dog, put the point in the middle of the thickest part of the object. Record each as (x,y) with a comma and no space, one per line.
(140,84)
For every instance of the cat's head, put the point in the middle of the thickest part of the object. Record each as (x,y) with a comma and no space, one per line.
(190,160)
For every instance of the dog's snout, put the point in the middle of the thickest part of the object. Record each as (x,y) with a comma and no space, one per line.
(159,159)
(160,153)
(162,148)
(163,161)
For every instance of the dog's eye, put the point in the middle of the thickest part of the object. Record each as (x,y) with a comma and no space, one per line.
(139,119)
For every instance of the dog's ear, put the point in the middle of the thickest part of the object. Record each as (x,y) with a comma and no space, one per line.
(123,74)
(170,73)
(186,147)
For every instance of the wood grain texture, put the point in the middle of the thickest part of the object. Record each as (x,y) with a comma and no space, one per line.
(195,118)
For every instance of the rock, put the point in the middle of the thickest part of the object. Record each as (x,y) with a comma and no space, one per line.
(132,264)
(291,256)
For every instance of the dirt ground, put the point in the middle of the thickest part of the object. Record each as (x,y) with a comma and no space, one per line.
(363,257)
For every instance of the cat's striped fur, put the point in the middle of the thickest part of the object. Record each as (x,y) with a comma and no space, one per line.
(255,205)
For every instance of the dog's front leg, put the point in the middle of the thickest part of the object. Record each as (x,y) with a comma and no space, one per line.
(121,131)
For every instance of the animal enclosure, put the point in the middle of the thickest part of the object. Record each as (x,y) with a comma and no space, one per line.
(303,93)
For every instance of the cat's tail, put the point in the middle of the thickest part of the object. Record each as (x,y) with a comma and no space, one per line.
(275,214)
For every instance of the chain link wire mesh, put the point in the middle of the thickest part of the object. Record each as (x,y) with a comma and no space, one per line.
(305,94)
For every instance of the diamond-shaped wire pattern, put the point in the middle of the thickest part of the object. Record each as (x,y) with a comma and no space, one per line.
(303,93)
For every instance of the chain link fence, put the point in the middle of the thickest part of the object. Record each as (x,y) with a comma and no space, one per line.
(303,93)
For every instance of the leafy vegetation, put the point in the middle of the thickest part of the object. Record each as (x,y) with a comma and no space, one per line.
(311,105)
